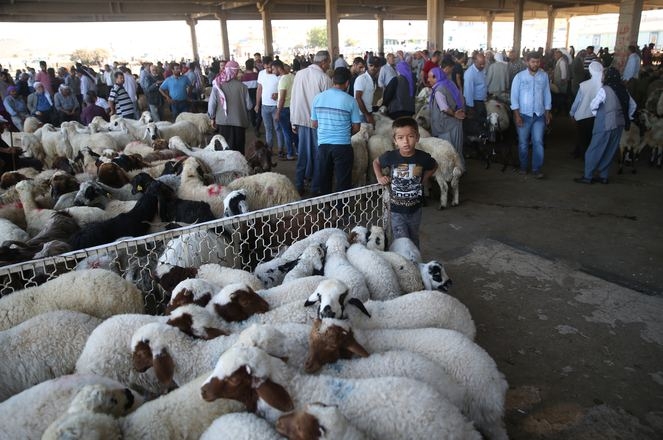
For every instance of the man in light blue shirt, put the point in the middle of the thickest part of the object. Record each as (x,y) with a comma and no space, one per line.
(475,91)
(336,116)
(632,67)
(531,103)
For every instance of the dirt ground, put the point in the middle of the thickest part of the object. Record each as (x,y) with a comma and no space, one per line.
(565,284)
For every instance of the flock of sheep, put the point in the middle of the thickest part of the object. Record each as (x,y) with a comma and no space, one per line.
(338,337)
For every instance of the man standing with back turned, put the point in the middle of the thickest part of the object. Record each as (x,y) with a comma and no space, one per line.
(531,103)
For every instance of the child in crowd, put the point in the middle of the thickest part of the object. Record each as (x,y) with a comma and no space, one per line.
(409,170)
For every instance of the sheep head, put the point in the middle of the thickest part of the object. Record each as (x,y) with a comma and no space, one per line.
(330,340)
(314,421)
(191,291)
(237,302)
(434,276)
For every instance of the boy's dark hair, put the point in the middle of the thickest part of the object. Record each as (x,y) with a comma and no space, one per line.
(341,75)
(405,121)
(446,62)
(359,60)
(250,64)
(533,54)
(118,74)
(278,64)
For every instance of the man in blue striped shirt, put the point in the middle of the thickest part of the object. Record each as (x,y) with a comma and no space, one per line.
(336,116)
(531,103)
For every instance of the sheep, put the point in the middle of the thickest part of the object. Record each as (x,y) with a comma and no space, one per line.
(76,141)
(97,292)
(241,426)
(9,231)
(217,143)
(43,347)
(191,291)
(134,223)
(629,148)
(92,193)
(381,279)
(378,144)
(225,166)
(185,130)
(359,143)
(174,209)
(52,143)
(467,363)
(28,414)
(338,266)
(197,322)
(449,168)
(433,274)
(317,420)
(405,247)
(31,124)
(266,385)
(218,275)
(235,203)
(192,187)
(181,414)
(259,157)
(140,181)
(266,190)
(200,120)
(311,262)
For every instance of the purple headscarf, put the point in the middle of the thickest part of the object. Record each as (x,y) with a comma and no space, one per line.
(404,70)
(441,80)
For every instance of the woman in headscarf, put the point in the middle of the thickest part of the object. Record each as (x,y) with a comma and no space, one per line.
(398,96)
(446,107)
(613,108)
(228,106)
(580,110)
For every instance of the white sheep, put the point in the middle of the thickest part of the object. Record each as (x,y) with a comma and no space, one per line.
(405,247)
(378,144)
(53,143)
(339,267)
(359,143)
(187,131)
(325,420)
(200,120)
(265,190)
(27,415)
(193,188)
(311,262)
(97,142)
(192,291)
(433,274)
(42,348)
(97,292)
(467,363)
(192,249)
(225,165)
(449,168)
(217,143)
(241,426)
(407,408)
(9,231)
(381,279)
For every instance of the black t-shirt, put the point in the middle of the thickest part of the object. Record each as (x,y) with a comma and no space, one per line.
(407,189)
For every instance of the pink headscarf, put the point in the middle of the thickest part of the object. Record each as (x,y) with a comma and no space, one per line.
(228,73)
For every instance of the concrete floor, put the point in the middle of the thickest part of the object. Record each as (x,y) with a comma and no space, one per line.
(565,285)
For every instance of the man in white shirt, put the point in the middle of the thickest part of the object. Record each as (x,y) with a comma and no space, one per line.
(387,72)
(340,62)
(365,89)
(632,67)
(266,101)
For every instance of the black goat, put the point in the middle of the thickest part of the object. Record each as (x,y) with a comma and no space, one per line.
(174,209)
(134,223)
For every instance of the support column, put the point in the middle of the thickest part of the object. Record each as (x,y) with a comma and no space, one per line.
(518,6)
(552,13)
(628,26)
(490,18)
(225,44)
(435,18)
(194,40)
(263,8)
(568,32)
(380,20)
(331,14)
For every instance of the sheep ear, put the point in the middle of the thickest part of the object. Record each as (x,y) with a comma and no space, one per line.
(355,347)
(341,297)
(275,395)
(360,305)
(212,332)
(287,267)
(314,298)
(142,356)
(164,368)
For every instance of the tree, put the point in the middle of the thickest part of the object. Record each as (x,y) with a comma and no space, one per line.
(90,56)
(351,42)
(317,37)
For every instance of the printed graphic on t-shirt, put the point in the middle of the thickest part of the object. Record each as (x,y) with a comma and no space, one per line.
(406,184)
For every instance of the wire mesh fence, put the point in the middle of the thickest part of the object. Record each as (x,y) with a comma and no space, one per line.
(240,242)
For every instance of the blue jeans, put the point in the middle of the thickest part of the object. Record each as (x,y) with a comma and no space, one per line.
(271,126)
(286,130)
(177,107)
(334,160)
(601,151)
(308,142)
(533,126)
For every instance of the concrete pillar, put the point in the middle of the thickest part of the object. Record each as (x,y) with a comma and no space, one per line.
(628,27)
(264,9)
(194,40)
(490,18)
(380,20)
(435,17)
(225,44)
(518,6)
(568,32)
(331,13)
(552,13)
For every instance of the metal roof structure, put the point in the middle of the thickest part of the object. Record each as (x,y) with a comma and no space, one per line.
(158,10)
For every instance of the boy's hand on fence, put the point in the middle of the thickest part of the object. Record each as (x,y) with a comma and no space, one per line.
(384,180)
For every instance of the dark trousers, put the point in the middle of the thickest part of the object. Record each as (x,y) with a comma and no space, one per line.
(235,136)
(334,160)
(584,129)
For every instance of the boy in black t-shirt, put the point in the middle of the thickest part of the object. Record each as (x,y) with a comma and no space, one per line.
(409,170)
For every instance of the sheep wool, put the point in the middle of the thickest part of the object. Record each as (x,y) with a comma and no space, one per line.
(241,426)
(97,292)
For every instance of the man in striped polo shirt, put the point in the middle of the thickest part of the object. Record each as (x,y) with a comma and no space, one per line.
(119,100)
(336,116)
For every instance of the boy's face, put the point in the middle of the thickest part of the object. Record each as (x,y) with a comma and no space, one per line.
(406,139)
